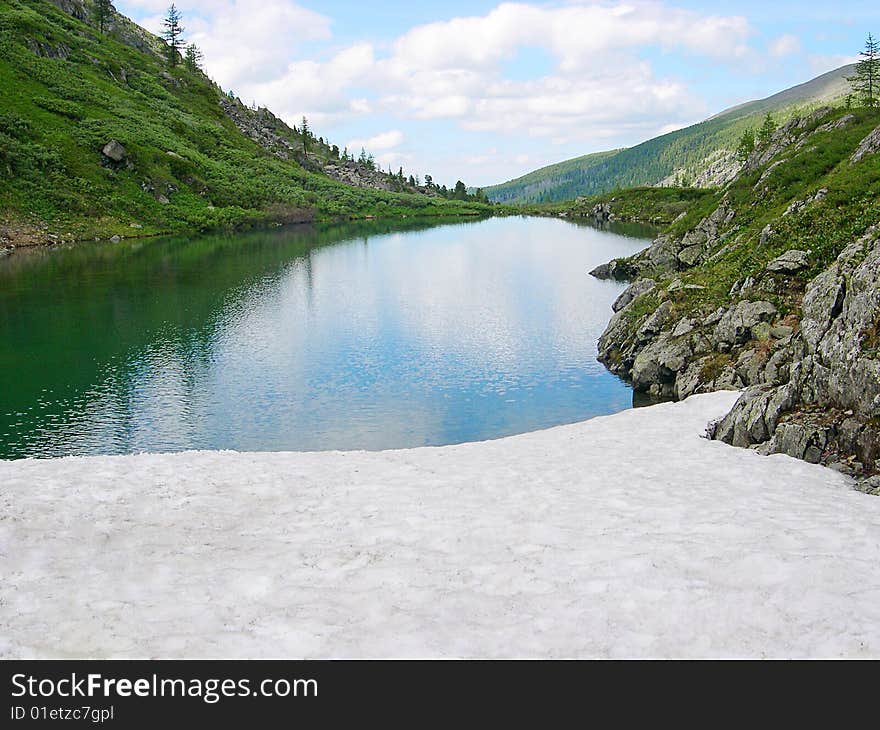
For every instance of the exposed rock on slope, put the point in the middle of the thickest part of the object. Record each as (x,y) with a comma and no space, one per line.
(277,138)
(829,407)
(774,291)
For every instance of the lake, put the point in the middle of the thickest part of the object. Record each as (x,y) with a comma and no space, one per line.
(371,335)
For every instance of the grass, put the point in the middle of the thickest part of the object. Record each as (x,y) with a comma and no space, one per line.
(714,366)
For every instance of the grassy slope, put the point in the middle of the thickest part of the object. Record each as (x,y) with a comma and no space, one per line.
(58,113)
(824,228)
(656,159)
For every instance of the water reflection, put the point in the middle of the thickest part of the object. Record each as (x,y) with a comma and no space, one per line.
(334,337)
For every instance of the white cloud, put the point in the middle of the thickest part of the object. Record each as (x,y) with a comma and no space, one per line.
(784,45)
(380,142)
(244,41)
(453,69)
(573,34)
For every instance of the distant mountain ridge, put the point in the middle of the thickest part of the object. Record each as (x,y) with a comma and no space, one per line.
(701,155)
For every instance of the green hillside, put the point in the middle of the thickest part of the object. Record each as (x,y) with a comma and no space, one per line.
(678,157)
(69,90)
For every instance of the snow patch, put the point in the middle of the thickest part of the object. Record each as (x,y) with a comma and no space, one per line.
(627,535)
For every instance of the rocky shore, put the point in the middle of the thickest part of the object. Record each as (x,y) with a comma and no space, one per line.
(799,333)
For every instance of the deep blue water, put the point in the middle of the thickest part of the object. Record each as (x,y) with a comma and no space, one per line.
(307,338)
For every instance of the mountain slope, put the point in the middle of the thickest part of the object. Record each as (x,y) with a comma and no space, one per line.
(175,161)
(561,181)
(700,155)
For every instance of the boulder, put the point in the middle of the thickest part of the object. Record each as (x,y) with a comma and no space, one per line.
(618,270)
(114,151)
(781,331)
(737,323)
(633,292)
(790,262)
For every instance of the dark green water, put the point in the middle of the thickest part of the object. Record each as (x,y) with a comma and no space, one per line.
(363,336)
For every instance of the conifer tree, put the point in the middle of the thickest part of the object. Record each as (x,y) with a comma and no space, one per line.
(173,34)
(746,145)
(767,129)
(306,134)
(102,10)
(193,57)
(866,82)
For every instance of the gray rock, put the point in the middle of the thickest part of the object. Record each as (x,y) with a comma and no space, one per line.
(868,146)
(684,326)
(715,317)
(654,323)
(618,270)
(690,256)
(737,323)
(790,262)
(114,151)
(781,331)
(761,331)
(871,485)
(633,292)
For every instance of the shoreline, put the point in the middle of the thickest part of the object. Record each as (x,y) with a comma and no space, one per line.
(30,239)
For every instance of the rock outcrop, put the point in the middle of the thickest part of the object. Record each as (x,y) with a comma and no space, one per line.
(870,145)
(804,349)
(828,410)
(277,138)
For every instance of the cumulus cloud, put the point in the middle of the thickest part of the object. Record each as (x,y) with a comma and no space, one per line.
(380,142)
(599,84)
(454,70)
(244,41)
(784,45)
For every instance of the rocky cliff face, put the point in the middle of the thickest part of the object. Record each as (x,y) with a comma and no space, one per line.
(798,329)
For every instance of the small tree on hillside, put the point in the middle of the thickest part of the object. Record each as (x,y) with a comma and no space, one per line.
(101,11)
(193,57)
(306,134)
(765,133)
(866,81)
(173,34)
(746,145)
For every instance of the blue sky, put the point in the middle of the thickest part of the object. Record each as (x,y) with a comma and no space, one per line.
(486,91)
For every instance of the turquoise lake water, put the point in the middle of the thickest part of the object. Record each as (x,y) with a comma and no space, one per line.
(358,336)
